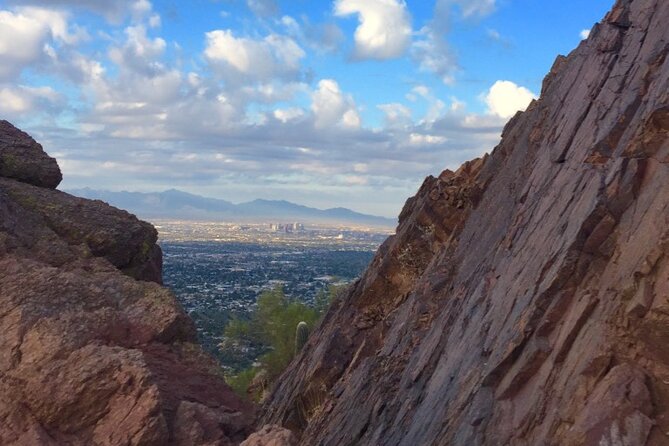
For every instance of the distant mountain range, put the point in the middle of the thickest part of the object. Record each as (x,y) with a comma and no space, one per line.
(182,205)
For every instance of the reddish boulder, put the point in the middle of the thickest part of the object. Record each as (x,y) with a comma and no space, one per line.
(93,351)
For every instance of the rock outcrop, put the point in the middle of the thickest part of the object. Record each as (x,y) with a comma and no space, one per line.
(21,158)
(93,350)
(524,299)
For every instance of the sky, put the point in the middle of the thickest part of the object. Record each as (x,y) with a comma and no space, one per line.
(347,103)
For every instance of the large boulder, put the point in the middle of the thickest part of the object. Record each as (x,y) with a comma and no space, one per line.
(93,350)
(23,159)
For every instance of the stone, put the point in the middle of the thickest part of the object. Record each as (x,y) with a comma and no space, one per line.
(271,435)
(23,159)
(522,299)
(93,350)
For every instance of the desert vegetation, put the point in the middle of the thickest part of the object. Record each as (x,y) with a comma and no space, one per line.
(280,327)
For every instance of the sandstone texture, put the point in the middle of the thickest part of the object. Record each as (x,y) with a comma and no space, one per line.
(524,299)
(271,435)
(93,350)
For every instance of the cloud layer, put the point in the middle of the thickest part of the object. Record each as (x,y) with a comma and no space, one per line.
(247,115)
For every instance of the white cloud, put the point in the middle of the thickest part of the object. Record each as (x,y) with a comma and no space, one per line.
(457,105)
(505,98)
(385,27)
(585,34)
(433,55)
(140,53)
(275,55)
(248,118)
(24,36)
(396,115)
(288,114)
(332,108)
(16,101)
(418,139)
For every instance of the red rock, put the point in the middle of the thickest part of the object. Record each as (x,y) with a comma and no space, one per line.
(271,435)
(93,351)
(523,299)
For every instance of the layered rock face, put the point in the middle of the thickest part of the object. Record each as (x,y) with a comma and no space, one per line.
(93,350)
(525,298)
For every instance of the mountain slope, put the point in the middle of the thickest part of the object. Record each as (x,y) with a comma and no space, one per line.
(182,205)
(523,299)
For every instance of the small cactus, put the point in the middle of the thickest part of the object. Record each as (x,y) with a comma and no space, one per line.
(301,336)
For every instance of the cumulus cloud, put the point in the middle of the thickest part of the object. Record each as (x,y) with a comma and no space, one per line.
(331,107)
(418,139)
(139,52)
(505,98)
(20,100)
(275,55)
(585,34)
(432,53)
(384,31)
(396,115)
(288,114)
(24,36)
(249,119)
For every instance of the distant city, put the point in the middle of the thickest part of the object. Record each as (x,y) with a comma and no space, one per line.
(287,228)
(217,270)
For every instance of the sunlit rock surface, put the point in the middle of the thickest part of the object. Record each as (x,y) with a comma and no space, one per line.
(525,297)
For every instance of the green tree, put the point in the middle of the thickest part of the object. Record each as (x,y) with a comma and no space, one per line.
(272,326)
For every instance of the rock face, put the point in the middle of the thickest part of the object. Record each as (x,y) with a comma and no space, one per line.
(271,435)
(23,159)
(93,350)
(524,299)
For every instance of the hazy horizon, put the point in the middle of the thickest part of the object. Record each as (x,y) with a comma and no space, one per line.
(231,200)
(345,103)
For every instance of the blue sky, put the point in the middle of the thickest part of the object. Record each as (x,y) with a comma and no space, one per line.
(326,103)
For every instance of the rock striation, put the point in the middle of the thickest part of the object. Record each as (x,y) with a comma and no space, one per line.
(93,350)
(524,299)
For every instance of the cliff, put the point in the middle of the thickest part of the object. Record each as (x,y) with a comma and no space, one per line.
(93,350)
(524,299)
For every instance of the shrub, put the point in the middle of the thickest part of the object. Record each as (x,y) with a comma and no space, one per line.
(272,326)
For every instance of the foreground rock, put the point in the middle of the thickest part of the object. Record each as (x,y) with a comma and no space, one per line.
(524,299)
(93,350)
(271,435)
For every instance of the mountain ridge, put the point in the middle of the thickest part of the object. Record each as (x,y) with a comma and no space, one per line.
(174,203)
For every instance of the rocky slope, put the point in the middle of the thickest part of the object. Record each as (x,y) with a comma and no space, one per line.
(525,297)
(93,350)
